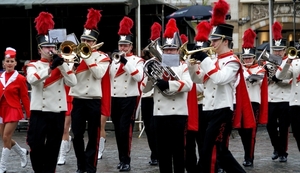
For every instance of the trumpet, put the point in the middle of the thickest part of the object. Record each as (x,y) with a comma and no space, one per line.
(186,52)
(292,52)
(70,51)
(116,56)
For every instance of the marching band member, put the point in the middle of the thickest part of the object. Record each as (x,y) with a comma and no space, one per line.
(223,72)
(48,105)
(126,73)
(14,95)
(257,86)
(279,92)
(196,120)
(170,104)
(147,102)
(88,97)
(291,70)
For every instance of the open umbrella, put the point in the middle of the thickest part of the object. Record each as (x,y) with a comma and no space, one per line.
(194,12)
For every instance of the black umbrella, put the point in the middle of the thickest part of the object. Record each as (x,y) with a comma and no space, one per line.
(263,46)
(194,12)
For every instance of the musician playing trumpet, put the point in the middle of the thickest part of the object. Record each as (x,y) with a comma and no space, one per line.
(126,75)
(89,100)
(48,105)
(170,111)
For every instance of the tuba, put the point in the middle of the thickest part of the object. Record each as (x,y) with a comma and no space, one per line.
(270,63)
(153,67)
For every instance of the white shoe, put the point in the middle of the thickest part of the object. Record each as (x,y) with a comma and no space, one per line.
(62,153)
(4,158)
(22,152)
(68,149)
(101,147)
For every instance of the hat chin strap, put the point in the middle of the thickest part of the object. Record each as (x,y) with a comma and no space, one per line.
(49,54)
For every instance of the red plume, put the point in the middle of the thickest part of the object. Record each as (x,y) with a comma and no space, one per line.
(220,11)
(203,30)
(125,26)
(43,23)
(155,31)
(248,38)
(277,31)
(183,38)
(171,28)
(93,18)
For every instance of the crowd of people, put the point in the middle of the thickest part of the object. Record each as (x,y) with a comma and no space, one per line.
(190,99)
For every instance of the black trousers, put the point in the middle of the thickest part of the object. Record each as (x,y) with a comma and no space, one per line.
(86,110)
(170,132)
(295,123)
(278,117)
(194,139)
(123,116)
(44,138)
(248,136)
(215,143)
(147,117)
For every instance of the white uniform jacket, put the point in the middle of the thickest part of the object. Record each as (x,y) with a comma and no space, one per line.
(89,75)
(209,88)
(125,79)
(218,76)
(280,92)
(48,90)
(292,71)
(175,104)
(254,89)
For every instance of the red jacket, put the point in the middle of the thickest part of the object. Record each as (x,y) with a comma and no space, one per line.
(15,91)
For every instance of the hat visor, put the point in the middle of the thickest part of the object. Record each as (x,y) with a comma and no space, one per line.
(278,47)
(87,37)
(169,46)
(125,42)
(48,45)
(215,37)
(250,55)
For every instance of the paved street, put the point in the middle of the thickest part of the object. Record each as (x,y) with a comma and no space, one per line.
(140,156)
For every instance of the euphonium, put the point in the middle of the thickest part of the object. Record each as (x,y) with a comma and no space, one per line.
(271,63)
(154,70)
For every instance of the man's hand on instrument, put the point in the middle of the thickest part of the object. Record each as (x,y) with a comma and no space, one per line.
(57,61)
(123,60)
(162,84)
(199,56)
(275,79)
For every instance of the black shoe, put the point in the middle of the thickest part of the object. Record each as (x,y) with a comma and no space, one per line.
(125,168)
(247,163)
(282,158)
(120,165)
(275,155)
(153,162)
(80,171)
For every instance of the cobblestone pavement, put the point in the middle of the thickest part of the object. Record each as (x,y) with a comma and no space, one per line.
(140,156)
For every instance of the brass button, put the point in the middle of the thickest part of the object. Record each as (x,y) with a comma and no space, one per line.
(158,100)
(158,108)
(173,99)
(125,87)
(59,99)
(213,96)
(114,93)
(115,81)
(59,106)
(86,93)
(125,80)
(87,86)
(58,91)
(125,94)
(43,98)
(114,87)
(173,108)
